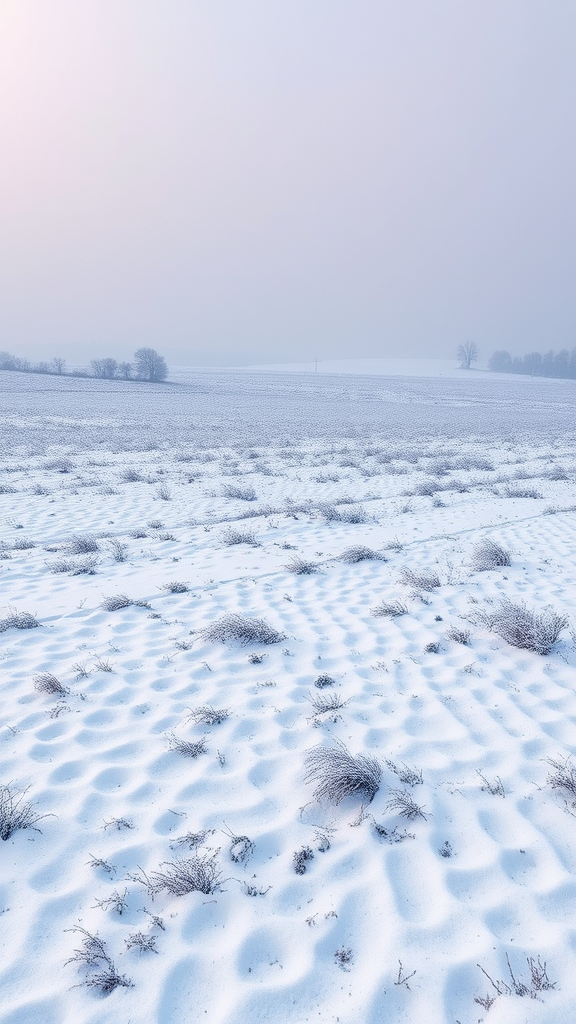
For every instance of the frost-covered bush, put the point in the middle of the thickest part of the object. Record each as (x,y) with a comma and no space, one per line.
(233,626)
(524,627)
(339,774)
(488,554)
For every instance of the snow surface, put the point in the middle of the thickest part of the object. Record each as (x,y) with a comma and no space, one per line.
(417,470)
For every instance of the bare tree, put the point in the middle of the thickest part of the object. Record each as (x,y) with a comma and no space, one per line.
(150,365)
(104,368)
(58,365)
(125,370)
(467,354)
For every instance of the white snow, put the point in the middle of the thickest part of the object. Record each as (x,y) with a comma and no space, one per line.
(429,467)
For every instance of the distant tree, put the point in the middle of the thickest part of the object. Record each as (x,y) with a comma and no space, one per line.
(150,365)
(42,367)
(7,361)
(125,370)
(58,365)
(467,354)
(104,368)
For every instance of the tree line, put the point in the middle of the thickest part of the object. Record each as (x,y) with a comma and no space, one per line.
(536,364)
(148,365)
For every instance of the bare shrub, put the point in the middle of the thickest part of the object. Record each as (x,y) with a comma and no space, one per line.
(394,545)
(138,534)
(103,865)
(45,682)
(324,680)
(243,629)
(525,628)
(391,835)
(563,776)
(188,748)
(241,493)
(175,587)
(119,550)
(241,849)
(390,610)
(301,567)
(489,555)
(93,953)
(163,492)
(325,703)
(338,774)
(75,566)
(352,514)
(194,874)
(522,492)
(403,802)
(344,958)
(420,580)
(18,620)
(82,544)
(233,536)
(116,902)
(556,473)
(207,715)
(22,544)
(432,648)
(131,476)
(301,859)
(60,465)
(494,787)
(407,775)
(191,839)
(119,824)
(458,635)
(16,812)
(116,602)
(360,553)
(102,664)
(119,601)
(539,981)
(425,489)
(143,943)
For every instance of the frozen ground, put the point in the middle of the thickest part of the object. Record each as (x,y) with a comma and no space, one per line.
(208,497)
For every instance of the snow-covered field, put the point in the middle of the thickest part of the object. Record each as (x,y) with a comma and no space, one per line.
(184,858)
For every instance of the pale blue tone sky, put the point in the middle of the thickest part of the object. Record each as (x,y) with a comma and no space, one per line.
(256,180)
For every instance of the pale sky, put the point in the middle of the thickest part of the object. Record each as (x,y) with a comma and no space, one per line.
(272,180)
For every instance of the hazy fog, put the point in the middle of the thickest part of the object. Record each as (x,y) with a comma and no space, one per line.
(262,180)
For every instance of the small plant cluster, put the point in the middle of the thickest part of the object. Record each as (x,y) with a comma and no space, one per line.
(422,580)
(539,982)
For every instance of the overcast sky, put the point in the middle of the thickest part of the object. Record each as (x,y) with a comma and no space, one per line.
(272,180)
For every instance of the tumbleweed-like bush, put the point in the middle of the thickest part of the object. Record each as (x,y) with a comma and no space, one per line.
(301,567)
(360,553)
(232,536)
(45,682)
(338,774)
(243,629)
(18,620)
(524,627)
(489,555)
